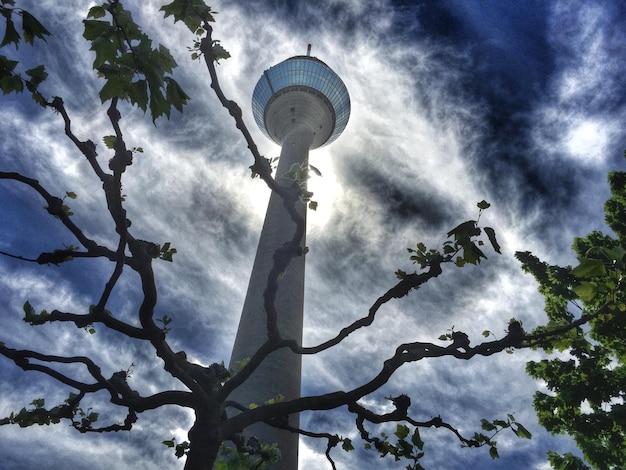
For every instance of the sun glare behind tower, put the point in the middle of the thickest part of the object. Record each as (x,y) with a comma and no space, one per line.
(300,104)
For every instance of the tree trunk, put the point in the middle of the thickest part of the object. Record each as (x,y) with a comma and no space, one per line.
(204,445)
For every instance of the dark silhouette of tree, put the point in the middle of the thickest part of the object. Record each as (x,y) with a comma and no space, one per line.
(140,74)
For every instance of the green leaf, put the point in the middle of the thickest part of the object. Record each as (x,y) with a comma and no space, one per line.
(169,443)
(493,452)
(589,268)
(71,194)
(106,51)
(587,291)
(114,87)
(492,238)
(109,141)
(448,249)
(522,432)
(616,254)
(173,9)
(472,254)
(138,94)
(190,12)
(9,81)
(33,28)
(95,29)
(465,230)
(158,104)
(417,440)
(294,173)
(487,426)
(347,445)
(37,74)
(167,253)
(6,65)
(96,12)
(313,205)
(482,205)
(175,94)
(400,274)
(401,431)
(10,35)
(219,52)
(28,309)
(165,59)
(38,403)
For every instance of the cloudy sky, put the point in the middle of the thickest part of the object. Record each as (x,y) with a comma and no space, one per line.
(518,103)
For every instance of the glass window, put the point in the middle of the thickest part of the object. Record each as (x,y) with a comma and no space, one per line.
(309,72)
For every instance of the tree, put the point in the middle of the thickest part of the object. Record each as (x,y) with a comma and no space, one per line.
(588,380)
(137,74)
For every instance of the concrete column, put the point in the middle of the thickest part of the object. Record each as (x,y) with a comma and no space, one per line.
(280,373)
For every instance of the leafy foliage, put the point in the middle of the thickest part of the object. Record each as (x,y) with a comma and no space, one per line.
(166,253)
(252,455)
(299,174)
(180,450)
(132,69)
(462,247)
(409,449)
(30,316)
(587,391)
(10,80)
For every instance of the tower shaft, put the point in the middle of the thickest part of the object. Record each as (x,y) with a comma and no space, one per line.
(280,373)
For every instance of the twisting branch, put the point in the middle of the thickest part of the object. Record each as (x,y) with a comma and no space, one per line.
(113,191)
(410,352)
(21,258)
(332,439)
(88,148)
(55,208)
(131,418)
(290,196)
(81,321)
(402,288)
(22,359)
(402,404)
(261,164)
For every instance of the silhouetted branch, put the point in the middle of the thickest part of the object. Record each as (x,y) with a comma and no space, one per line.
(4,253)
(55,208)
(81,321)
(400,415)
(87,148)
(332,439)
(22,359)
(290,196)
(402,288)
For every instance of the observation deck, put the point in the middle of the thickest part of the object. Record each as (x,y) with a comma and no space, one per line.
(301,91)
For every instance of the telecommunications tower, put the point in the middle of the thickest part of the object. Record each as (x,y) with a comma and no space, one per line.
(301,104)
